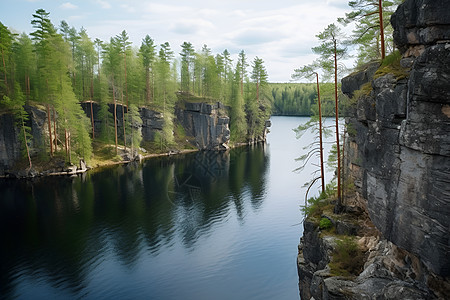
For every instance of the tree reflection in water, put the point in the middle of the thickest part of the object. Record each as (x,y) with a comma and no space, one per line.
(60,230)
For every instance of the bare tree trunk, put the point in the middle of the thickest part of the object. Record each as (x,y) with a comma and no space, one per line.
(66,143)
(50,130)
(26,143)
(54,129)
(115,116)
(123,125)
(69,146)
(322,173)
(339,203)
(92,121)
(257,91)
(147,84)
(380,13)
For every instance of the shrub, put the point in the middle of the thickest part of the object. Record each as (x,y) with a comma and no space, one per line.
(325,223)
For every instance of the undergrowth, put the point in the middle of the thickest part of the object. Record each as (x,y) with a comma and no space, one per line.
(315,206)
(348,259)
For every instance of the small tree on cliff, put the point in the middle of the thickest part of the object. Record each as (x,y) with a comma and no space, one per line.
(371,18)
(330,51)
(308,72)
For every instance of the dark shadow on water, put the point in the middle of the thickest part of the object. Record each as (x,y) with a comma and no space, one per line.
(58,230)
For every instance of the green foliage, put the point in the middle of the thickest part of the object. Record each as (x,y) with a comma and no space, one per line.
(347,259)
(325,224)
(59,68)
(366,33)
(315,206)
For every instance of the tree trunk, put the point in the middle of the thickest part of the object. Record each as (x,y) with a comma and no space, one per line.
(66,143)
(54,129)
(115,116)
(380,13)
(69,146)
(257,91)
(92,121)
(50,130)
(26,143)
(123,125)
(322,173)
(147,84)
(339,203)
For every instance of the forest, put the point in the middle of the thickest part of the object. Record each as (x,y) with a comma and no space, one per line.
(57,68)
(300,99)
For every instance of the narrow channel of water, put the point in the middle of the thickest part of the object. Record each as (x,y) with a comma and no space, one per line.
(205,225)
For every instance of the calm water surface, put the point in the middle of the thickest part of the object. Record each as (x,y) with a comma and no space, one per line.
(206,225)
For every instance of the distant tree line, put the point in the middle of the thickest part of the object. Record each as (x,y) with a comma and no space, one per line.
(300,99)
(57,68)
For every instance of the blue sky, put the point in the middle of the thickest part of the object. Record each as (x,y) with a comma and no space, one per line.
(280,32)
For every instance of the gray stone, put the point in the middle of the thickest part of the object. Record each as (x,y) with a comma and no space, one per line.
(421,22)
(206,124)
(354,81)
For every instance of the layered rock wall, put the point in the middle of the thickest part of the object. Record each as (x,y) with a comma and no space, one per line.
(207,123)
(400,148)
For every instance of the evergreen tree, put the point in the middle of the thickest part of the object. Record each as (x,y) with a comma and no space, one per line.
(25,63)
(238,125)
(259,75)
(308,71)
(371,18)
(242,67)
(187,59)
(6,40)
(148,54)
(330,50)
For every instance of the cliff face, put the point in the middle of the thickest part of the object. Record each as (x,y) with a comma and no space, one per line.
(207,123)
(10,136)
(401,148)
(397,152)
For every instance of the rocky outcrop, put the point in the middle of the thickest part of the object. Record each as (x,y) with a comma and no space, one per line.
(419,24)
(152,122)
(207,123)
(10,146)
(401,145)
(389,272)
(398,154)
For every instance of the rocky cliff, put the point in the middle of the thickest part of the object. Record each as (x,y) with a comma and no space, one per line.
(207,123)
(206,126)
(398,154)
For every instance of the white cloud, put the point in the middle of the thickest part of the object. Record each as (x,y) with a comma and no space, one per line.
(191,26)
(128,8)
(68,5)
(104,4)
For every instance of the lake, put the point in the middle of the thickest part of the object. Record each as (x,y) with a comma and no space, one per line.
(205,225)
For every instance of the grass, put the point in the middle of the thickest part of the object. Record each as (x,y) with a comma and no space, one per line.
(391,65)
(347,259)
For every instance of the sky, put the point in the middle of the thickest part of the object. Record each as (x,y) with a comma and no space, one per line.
(281,32)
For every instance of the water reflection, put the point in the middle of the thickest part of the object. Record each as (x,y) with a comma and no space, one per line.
(62,232)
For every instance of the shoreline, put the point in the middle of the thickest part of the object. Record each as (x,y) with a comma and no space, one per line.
(77,170)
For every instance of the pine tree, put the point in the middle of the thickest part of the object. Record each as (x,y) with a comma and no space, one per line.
(187,59)
(148,53)
(259,75)
(330,50)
